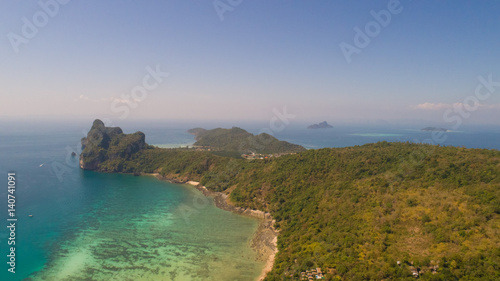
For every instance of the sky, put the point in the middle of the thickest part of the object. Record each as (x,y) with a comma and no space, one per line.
(341,61)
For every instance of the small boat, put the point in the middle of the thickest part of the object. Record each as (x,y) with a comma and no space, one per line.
(30,215)
(41,164)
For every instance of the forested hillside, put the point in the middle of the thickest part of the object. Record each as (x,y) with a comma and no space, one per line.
(357,211)
(241,141)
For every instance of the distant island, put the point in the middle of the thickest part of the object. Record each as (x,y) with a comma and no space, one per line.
(241,141)
(322,125)
(369,212)
(434,129)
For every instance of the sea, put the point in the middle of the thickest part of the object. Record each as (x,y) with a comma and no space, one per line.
(71,224)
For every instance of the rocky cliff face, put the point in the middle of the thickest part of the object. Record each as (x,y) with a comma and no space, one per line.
(108,143)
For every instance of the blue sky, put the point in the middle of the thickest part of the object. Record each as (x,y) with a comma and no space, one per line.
(89,57)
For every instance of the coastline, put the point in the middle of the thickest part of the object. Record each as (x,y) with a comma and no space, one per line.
(264,241)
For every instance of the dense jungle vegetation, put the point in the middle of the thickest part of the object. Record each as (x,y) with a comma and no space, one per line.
(359,210)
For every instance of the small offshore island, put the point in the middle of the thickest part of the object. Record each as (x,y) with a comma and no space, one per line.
(371,212)
(322,125)
(434,129)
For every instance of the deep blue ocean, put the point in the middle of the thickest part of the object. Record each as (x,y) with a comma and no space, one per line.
(93,226)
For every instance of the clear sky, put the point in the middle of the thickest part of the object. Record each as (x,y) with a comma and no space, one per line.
(245,60)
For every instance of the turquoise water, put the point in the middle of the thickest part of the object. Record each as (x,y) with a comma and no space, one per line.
(95,226)
(92,226)
(134,228)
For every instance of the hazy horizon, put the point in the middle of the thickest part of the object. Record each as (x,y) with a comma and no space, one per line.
(131,125)
(343,62)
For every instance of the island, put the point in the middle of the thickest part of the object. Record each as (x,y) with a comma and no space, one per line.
(322,125)
(434,129)
(241,142)
(108,145)
(381,211)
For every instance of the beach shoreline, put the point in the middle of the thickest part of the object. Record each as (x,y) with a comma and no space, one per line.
(264,241)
